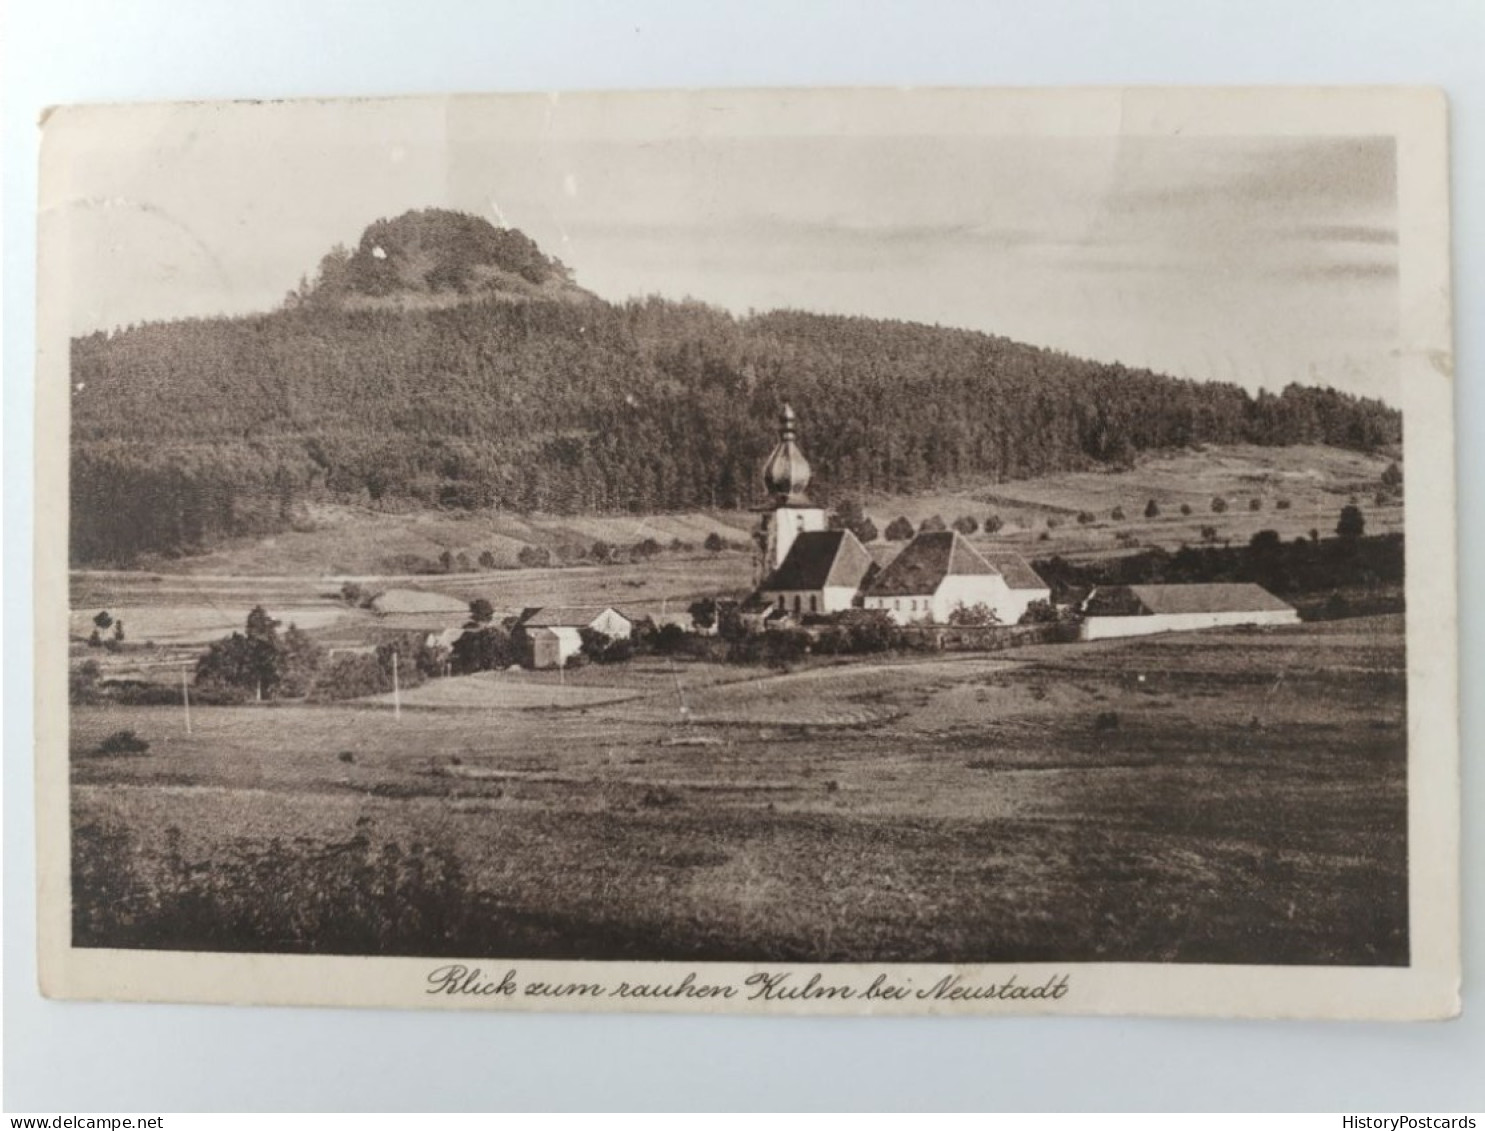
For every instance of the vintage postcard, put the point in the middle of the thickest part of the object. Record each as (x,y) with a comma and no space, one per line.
(868,551)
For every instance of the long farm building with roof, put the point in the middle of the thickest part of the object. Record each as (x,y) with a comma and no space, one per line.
(1142,610)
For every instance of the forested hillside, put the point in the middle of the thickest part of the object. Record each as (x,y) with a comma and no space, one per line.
(446,363)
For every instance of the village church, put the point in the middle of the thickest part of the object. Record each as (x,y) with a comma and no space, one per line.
(808,569)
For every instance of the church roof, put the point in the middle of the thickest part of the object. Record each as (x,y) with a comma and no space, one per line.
(925,561)
(1014,568)
(821,559)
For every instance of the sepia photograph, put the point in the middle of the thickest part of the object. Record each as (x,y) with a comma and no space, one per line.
(863,551)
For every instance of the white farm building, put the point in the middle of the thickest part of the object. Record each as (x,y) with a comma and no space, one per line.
(555,633)
(939,572)
(1141,610)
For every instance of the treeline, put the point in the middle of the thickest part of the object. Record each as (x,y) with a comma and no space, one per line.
(1348,574)
(185,433)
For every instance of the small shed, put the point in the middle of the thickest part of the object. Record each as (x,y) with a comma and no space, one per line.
(554,633)
(1141,610)
(552,647)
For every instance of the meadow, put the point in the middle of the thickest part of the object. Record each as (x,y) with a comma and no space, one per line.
(1232,796)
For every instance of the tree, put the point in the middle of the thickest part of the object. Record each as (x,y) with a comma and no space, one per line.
(255,659)
(103,620)
(486,559)
(1282,504)
(602,551)
(534,557)
(1186,508)
(481,611)
(446,561)
(1040,611)
(966,524)
(1219,504)
(118,631)
(933,525)
(1255,503)
(714,543)
(1152,509)
(1352,523)
(1208,533)
(483,649)
(1265,542)
(850,516)
(900,529)
(973,616)
(1393,476)
(1117,514)
(704,612)
(993,524)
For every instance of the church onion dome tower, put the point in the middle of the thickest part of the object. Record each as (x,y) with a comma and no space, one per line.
(786,475)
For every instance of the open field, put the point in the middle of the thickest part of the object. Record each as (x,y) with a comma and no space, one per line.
(1217,797)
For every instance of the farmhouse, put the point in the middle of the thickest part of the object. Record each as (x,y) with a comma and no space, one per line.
(1139,610)
(1023,584)
(554,634)
(939,572)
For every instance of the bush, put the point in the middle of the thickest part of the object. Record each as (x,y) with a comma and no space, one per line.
(899,529)
(1152,509)
(487,559)
(973,616)
(994,524)
(1106,721)
(714,543)
(123,742)
(1255,503)
(534,557)
(1053,522)
(487,648)
(1117,514)
(1086,518)
(1208,533)
(1393,476)
(1282,504)
(1186,508)
(1219,504)
(601,551)
(933,525)
(604,649)
(966,524)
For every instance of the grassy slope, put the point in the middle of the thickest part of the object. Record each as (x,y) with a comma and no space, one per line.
(1248,807)
(344,541)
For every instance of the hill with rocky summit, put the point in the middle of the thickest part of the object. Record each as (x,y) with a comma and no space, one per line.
(446,363)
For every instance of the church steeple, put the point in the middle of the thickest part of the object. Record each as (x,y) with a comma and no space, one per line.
(789,513)
(786,475)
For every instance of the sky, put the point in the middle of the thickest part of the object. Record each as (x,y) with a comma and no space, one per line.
(1251,259)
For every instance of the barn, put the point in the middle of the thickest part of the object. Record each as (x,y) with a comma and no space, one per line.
(554,633)
(939,572)
(1023,584)
(1140,610)
(822,573)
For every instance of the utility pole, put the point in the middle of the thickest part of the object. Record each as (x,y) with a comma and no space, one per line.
(396,689)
